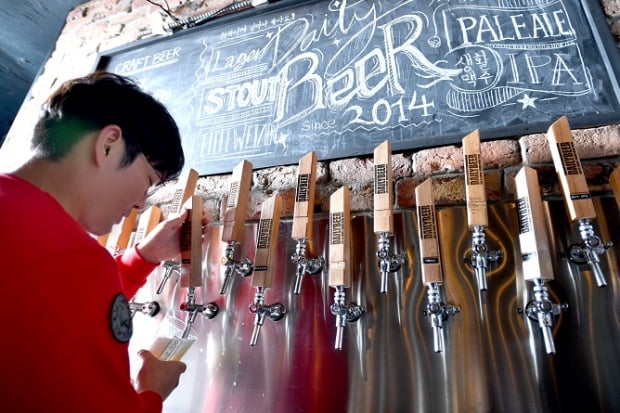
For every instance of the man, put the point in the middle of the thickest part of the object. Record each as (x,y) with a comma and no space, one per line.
(98,148)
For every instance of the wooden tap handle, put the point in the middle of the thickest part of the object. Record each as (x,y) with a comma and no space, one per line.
(191,243)
(185,188)
(475,190)
(427,233)
(340,238)
(266,241)
(614,180)
(147,221)
(103,240)
(568,167)
(119,236)
(238,198)
(383,193)
(303,212)
(533,237)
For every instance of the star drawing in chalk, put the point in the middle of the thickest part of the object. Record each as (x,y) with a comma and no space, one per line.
(527,101)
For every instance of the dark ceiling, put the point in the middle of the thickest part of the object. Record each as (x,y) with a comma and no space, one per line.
(28,32)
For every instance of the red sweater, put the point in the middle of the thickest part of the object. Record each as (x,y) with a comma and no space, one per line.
(63,315)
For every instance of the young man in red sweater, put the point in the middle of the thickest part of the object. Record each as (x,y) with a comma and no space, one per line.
(100,145)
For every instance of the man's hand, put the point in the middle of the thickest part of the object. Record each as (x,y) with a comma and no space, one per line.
(164,241)
(159,376)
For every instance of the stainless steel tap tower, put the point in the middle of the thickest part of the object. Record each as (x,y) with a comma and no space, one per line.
(491,357)
(387,361)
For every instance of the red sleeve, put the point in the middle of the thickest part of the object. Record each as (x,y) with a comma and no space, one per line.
(151,401)
(133,270)
(67,353)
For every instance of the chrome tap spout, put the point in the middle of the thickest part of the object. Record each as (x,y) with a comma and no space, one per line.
(388,263)
(260,310)
(170,267)
(209,310)
(150,308)
(438,312)
(242,267)
(542,310)
(590,250)
(480,257)
(345,313)
(304,264)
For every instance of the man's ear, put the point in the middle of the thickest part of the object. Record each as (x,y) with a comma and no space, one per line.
(108,143)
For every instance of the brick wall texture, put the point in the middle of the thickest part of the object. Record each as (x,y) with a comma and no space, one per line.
(100,25)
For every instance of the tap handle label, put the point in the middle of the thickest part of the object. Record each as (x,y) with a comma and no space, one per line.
(303,213)
(569,170)
(191,244)
(427,233)
(266,240)
(475,190)
(533,237)
(525,215)
(236,205)
(383,190)
(147,221)
(340,238)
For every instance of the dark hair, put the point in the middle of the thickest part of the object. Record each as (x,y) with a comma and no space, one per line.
(90,103)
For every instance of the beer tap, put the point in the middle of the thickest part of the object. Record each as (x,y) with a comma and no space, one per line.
(535,254)
(191,262)
(266,240)
(209,310)
(436,309)
(186,186)
(150,308)
(147,221)
(234,221)
(302,221)
(340,262)
(170,267)
(577,198)
(477,217)
(384,214)
(119,237)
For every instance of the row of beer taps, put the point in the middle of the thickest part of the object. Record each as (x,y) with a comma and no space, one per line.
(533,238)
(534,243)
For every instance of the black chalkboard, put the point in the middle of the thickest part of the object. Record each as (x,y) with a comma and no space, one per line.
(339,77)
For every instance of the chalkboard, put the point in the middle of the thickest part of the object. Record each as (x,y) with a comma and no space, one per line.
(338,77)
